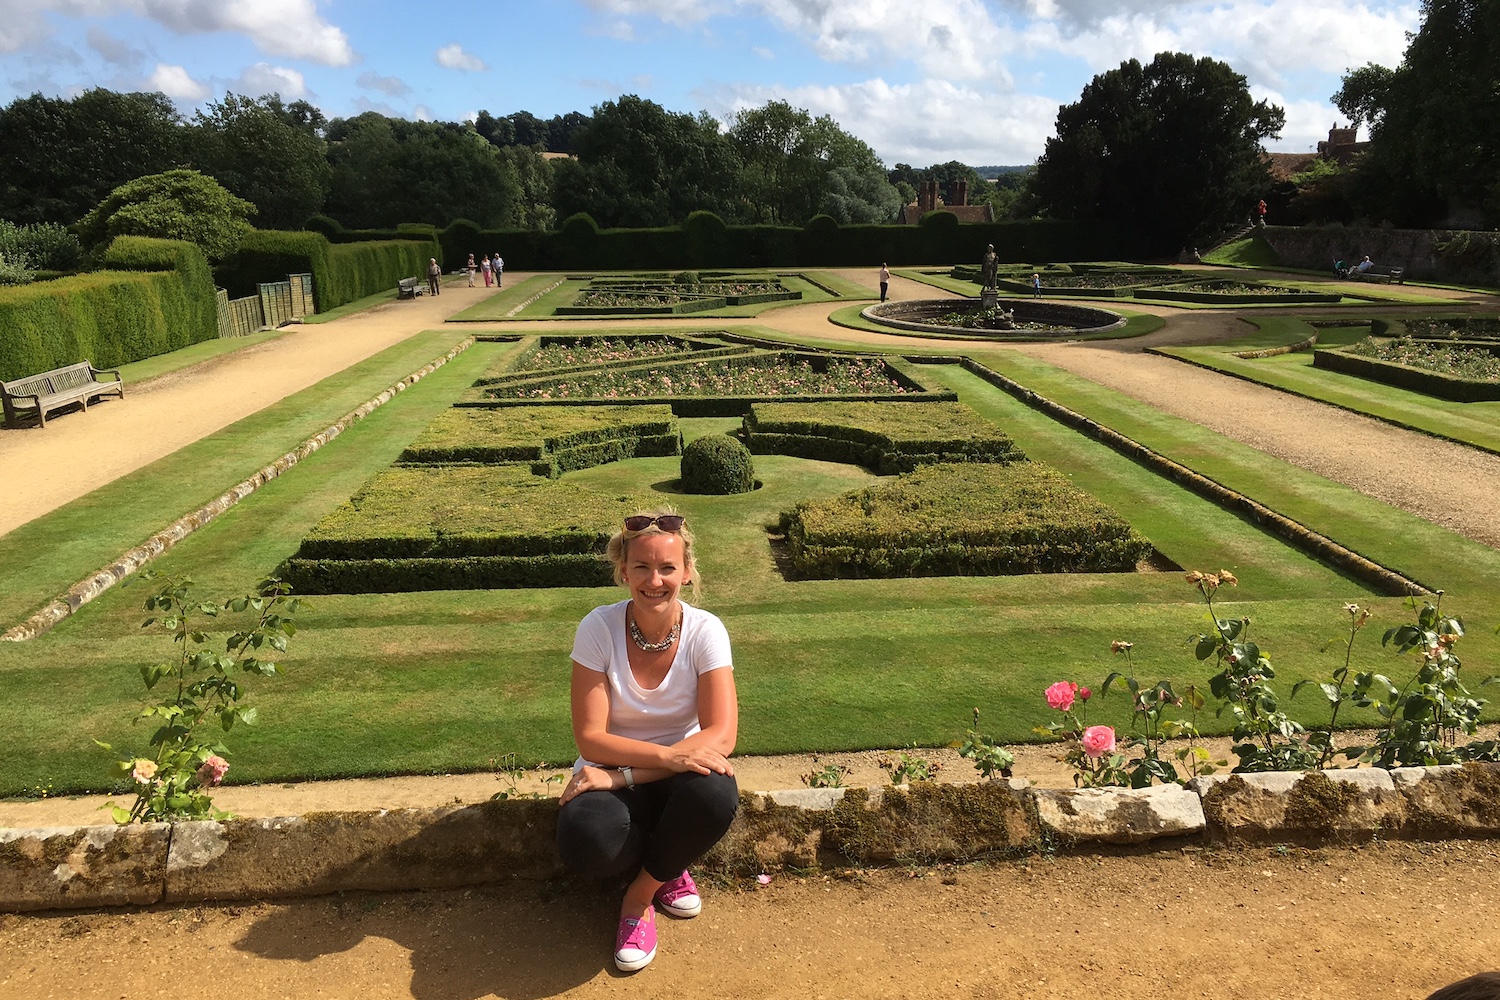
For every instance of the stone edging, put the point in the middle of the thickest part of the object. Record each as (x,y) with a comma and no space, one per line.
(400,849)
(130,562)
(516,309)
(1314,543)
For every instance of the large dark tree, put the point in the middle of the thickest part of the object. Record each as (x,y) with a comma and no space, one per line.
(1168,150)
(641,165)
(1434,120)
(268,153)
(387,171)
(59,158)
(797,166)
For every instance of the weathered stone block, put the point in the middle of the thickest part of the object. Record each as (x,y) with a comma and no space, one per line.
(1316,807)
(384,849)
(781,829)
(79,866)
(1452,801)
(1119,815)
(933,822)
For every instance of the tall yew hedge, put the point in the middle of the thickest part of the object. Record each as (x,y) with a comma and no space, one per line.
(154,296)
(342,272)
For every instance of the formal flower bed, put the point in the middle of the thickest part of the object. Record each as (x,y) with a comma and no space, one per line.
(990,319)
(1106,279)
(593,352)
(1460,362)
(770,376)
(1468,328)
(1235,288)
(668,294)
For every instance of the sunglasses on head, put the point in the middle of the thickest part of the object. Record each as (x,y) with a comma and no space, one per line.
(666,522)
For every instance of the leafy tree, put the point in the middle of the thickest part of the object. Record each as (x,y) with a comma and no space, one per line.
(387,171)
(174,205)
(60,157)
(1169,150)
(534,175)
(641,165)
(267,153)
(1434,120)
(797,166)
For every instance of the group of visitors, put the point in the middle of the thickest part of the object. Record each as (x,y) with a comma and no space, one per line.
(493,269)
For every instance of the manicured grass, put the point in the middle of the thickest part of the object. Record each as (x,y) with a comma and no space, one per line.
(1252,251)
(44,557)
(137,372)
(844,286)
(445,681)
(495,309)
(1476,424)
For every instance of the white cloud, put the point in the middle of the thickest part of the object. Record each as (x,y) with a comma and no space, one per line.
(393,86)
(454,57)
(671,11)
(112,50)
(422,113)
(263,78)
(763,52)
(930,121)
(290,28)
(620,31)
(363,104)
(175,82)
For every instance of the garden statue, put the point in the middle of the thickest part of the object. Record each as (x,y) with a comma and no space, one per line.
(989,297)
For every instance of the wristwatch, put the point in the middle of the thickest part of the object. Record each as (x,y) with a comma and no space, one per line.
(629,777)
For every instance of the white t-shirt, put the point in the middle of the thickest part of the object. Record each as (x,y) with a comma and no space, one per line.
(667,713)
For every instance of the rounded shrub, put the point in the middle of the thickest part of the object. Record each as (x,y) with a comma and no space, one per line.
(324,224)
(717,465)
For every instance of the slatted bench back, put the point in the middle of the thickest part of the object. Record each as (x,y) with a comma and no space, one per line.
(32,385)
(71,377)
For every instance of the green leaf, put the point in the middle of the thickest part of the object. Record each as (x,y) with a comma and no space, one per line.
(1206,646)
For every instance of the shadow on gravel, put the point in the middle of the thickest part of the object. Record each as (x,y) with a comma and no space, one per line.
(525,939)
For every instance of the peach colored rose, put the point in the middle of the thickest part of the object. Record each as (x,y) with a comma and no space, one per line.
(143,771)
(1098,741)
(1060,695)
(212,770)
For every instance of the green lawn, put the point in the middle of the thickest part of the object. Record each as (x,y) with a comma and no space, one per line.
(1475,424)
(445,681)
(496,308)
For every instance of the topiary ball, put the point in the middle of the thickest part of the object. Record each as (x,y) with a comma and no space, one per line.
(717,465)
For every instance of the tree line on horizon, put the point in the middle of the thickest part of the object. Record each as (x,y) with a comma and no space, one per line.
(1171,150)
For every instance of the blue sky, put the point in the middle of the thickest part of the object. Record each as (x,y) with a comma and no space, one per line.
(922,82)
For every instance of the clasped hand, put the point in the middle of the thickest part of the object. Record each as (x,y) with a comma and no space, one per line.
(698,759)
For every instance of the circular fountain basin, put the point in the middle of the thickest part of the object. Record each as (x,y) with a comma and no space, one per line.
(918,315)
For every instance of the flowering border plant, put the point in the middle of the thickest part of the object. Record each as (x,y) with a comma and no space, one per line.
(171,782)
(1091,750)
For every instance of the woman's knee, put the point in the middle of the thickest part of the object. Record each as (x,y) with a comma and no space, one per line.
(716,797)
(595,835)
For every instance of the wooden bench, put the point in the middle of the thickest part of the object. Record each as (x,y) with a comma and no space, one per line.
(409,288)
(41,394)
(1379,272)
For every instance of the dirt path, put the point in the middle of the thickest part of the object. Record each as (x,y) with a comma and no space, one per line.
(160,416)
(1385,922)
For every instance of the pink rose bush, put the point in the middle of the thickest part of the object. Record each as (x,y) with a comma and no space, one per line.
(1098,741)
(212,771)
(1060,695)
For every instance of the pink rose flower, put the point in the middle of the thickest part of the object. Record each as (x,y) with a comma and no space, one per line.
(1060,695)
(143,771)
(212,771)
(1084,694)
(1098,741)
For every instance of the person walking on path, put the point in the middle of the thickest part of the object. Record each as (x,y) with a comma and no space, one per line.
(484,265)
(1261,209)
(885,281)
(498,266)
(1036,285)
(655,717)
(434,276)
(469,269)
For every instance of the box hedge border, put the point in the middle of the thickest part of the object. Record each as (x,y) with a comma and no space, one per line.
(1401,376)
(389,576)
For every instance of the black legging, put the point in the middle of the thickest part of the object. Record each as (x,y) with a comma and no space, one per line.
(661,826)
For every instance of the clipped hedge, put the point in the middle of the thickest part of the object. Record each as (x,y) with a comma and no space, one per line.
(1169,293)
(581,245)
(553,439)
(341,272)
(459,527)
(1460,390)
(883,438)
(962,520)
(717,465)
(157,296)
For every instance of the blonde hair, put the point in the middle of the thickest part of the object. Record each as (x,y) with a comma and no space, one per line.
(618,549)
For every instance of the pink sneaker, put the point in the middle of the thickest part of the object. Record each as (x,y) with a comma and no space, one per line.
(679,897)
(635,943)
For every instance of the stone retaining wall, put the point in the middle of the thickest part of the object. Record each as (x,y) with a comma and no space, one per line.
(398,849)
